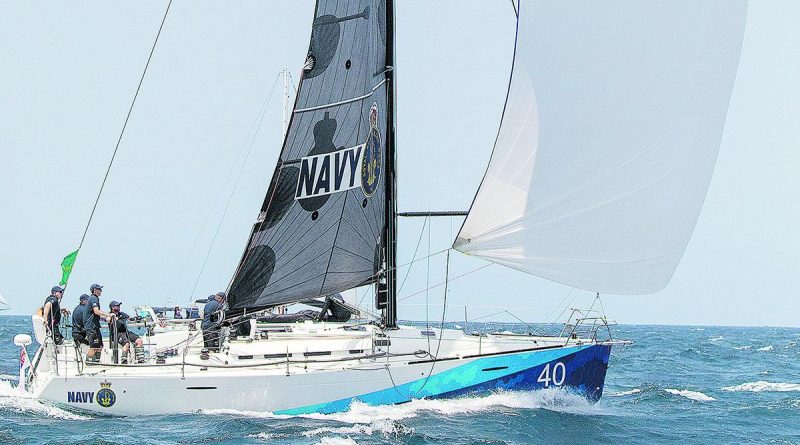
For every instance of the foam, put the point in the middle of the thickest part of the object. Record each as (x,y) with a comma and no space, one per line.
(14,400)
(624,393)
(743,348)
(763,386)
(336,441)
(386,428)
(717,338)
(361,413)
(766,348)
(697,396)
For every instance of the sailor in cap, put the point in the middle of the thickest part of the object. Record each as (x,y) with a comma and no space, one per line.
(210,326)
(124,336)
(91,322)
(51,312)
(78,329)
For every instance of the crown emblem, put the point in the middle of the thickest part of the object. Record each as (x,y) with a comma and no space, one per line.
(105,384)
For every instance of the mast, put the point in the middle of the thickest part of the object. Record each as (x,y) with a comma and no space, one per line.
(391,180)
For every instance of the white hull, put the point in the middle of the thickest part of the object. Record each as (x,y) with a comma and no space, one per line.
(327,368)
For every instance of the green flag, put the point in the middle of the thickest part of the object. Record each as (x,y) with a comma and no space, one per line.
(66,267)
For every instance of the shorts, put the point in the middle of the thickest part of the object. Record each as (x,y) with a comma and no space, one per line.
(127,337)
(94,338)
(79,337)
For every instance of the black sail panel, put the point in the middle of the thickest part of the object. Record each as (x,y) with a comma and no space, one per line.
(321,222)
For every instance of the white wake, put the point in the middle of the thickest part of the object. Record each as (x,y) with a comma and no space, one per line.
(763,386)
(697,396)
(624,393)
(14,400)
(363,419)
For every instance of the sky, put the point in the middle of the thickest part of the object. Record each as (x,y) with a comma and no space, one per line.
(191,154)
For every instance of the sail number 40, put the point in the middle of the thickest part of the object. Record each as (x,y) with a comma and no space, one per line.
(557,376)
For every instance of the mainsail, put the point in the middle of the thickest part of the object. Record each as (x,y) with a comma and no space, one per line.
(322,222)
(608,141)
(3,304)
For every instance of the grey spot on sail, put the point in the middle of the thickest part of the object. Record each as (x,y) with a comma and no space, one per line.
(324,41)
(324,130)
(254,276)
(280,201)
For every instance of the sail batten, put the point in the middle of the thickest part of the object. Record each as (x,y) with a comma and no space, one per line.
(320,226)
(608,140)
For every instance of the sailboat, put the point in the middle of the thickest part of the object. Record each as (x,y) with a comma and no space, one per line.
(605,150)
(4,304)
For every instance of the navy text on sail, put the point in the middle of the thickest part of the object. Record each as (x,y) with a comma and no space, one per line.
(330,172)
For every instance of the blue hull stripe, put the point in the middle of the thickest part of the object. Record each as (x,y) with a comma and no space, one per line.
(584,372)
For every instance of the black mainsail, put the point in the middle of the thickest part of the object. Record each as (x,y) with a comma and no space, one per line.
(327,217)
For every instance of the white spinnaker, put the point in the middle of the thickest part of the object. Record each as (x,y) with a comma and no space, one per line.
(608,141)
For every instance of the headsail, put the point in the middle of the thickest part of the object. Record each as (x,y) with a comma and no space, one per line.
(320,227)
(3,304)
(608,141)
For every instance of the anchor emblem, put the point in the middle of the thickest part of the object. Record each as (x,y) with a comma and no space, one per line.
(106,397)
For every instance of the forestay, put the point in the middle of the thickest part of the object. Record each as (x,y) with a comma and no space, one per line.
(608,140)
(321,222)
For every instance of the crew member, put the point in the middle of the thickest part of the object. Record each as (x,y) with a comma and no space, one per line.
(51,313)
(91,323)
(78,329)
(178,313)
(210,326)
(124,336)
(338,312)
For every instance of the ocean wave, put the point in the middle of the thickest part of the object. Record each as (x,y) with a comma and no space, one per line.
(691,395)
(13,400)
(743,348)
(336,441)
(386,428)
(9,377)
(360,413)
(717,338)
(624,393)
(763,386)
(549,399)
(243,413)
(765,348)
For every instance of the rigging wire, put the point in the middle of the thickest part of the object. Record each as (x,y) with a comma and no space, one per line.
(414,256)
(124,126)
(220,193)
(514,6)
(441,324)
(428,286)
(236,184)
(291,81)
(444,283)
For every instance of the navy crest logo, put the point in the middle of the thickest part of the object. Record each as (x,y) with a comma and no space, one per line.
(106,397)
(371,164)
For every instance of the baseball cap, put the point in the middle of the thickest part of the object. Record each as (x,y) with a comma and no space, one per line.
(57,289)
(95,286)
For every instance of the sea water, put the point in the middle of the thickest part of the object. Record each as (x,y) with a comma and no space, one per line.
(675,384)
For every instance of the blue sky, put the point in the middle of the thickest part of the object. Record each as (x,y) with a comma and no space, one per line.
(70,71)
